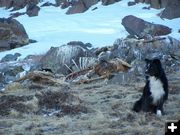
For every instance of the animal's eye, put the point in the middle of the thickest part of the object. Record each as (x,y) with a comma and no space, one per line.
(148,66)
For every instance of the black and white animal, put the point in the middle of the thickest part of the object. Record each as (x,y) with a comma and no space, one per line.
(155,92)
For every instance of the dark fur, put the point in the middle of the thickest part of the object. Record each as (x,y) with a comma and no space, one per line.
(145,103)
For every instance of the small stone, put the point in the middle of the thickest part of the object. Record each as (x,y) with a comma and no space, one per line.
(131,3)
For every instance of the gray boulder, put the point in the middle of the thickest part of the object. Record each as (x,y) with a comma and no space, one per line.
(12,34)
(134,52)
(60,59)
(140,28)
(11,70)
(108,2)
(16,4)
(77,7)
(32,10)
(10,57)
(172,10)
(157,4)
(80,6)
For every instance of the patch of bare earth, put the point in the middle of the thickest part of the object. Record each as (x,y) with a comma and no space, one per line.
(87,109)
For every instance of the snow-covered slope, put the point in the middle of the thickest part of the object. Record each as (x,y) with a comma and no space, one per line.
(100,27)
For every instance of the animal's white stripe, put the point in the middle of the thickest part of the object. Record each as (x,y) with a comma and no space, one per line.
(156,89)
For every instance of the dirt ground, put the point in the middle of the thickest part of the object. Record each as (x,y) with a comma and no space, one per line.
(108,111)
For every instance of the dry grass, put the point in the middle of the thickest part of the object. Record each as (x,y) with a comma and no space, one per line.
(108,113)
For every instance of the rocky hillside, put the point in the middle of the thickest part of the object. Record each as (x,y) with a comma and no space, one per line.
(171,7)
(32,8)
(79,89)
(79,6)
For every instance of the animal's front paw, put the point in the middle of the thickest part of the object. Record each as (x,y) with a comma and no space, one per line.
(159,113)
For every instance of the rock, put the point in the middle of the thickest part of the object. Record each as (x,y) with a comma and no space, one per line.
(10,57)
(157,4)
(134,51)
(47,4)
(17,4)
(6,3)
(148,8)
(12,70)
(2,81)
(58,58)
(63,3)
(60,2)
(171,10)
(32,10)
(11,73)
(77,7)
(94,8)
(79,43)
(17,14)
(130,50)
(32,41)
(108,2)
(89,3)
(81,6)
(140,28)
(131,3)
(12,34)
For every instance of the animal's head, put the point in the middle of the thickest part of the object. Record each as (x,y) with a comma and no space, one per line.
(153,67)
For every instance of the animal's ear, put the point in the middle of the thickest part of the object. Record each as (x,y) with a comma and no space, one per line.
(147,60)
(157,61)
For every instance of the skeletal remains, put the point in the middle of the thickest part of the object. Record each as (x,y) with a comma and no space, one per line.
(104,69)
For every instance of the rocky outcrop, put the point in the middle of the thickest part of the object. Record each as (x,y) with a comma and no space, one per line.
(74,6)
(77,7)
(62,59)
(11,70)
(157,4)
(131,3)
(80,6)
(134,51)
(172,10)
(31,7)
(108,2)
(140,28)
(12,34)
(10,57)
(32,10)
(16,4)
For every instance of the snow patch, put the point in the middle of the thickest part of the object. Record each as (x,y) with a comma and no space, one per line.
(99,27)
